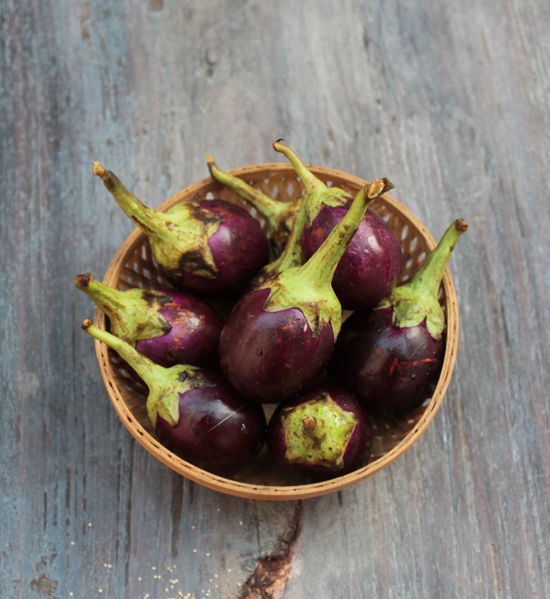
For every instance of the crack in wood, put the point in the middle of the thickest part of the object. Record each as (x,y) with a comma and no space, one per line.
(273,571)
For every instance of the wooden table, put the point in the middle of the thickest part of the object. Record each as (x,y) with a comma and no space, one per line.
(450,101)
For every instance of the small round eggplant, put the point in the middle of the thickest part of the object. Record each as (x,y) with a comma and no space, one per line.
(280,334)
(372,358)
(389,357)
(370,266)
(209,247)
(194,412)
(270,355)
(169,327)
(323,433)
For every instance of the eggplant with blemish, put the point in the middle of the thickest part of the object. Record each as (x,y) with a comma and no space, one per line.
(322,433)
(280,335)
(371,264)
(279,215)
(389,357)
(194,412)
(209,247)
(169,327)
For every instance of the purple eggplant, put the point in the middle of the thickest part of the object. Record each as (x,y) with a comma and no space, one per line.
(209,247)
(388,357)
(323,433)
(194,412)
(169,327)
(280,334)
(279,215)
(370,266)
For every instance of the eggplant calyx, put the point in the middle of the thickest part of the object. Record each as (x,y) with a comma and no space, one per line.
(317,432)
(317,194)
(269,207)
(416,301)
(280,215)
(164,400)
(319,305)
(330,196)
(143,319)
(134,314)
(166,385)
(178,237)
(411,309)
(185,247)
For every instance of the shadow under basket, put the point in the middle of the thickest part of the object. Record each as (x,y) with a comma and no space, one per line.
(134,266)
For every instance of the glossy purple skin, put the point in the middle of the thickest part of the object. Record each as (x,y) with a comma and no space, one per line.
(390,370)
(217,430)
(239,247)
(193,338)
(269,356)
(359,448)
(371,264)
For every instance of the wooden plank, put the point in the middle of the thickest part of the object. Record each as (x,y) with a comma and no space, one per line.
(450,102)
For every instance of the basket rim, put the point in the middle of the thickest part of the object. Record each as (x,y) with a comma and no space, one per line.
(279,492)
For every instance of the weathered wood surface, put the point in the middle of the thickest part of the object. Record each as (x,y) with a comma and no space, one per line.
(449,100)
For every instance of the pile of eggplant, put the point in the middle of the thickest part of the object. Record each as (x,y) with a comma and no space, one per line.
(283,342)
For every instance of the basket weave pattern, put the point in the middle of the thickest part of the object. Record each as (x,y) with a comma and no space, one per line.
(134,266)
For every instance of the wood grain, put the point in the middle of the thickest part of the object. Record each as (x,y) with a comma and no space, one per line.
(450,101)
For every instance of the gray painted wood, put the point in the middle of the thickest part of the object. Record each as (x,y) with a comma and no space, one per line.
(449,100)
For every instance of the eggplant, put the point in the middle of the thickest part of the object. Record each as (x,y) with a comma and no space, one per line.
(280,335)
(194,412)
(389,356)
(322,434)
(371,264)
(167,326)
(370,268)
(209,247)
(280,215)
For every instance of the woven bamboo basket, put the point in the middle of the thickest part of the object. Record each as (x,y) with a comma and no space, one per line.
(134,266)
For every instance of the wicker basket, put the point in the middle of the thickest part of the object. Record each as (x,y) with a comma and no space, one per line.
(134,266)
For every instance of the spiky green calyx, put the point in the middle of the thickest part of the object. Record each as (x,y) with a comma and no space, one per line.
(317,194)
(309,287)
(133,314)
(280,215)
(165,384)
(178,237)
(317,432)
(416,300)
